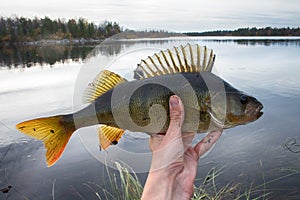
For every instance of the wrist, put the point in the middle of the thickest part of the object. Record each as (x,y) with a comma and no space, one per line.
(159,185)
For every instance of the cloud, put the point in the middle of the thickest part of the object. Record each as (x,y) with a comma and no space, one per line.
(187,15)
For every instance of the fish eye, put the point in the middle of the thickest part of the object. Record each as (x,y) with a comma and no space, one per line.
(243,99)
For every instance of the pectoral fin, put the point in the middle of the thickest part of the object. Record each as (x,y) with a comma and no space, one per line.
(109,136)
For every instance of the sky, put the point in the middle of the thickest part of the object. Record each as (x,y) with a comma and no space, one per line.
(175,15)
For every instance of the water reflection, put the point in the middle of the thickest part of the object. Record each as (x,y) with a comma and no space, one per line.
(28,56)
(111,48)
(39,55)
(263,153)
(261,42)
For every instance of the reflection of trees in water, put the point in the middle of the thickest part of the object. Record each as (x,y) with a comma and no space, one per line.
(27,56)
(106,50)
(263,42)
(114,47)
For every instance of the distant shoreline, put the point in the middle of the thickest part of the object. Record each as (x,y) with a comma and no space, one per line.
(94,42)
(267,31)
(54,42)
(20,31)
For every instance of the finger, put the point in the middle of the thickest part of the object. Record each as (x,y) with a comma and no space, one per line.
(155,141)
(171,149)
(174,130)
(207,142)
(176,118)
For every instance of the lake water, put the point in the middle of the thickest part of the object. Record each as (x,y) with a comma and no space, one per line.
(263,155)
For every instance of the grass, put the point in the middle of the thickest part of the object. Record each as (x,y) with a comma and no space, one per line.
(209,189)
(124,184)
(129,187)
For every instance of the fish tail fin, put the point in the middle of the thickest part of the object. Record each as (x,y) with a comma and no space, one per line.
(55,133)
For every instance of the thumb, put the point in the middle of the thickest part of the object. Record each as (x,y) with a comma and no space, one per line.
(171,147)
(176,117)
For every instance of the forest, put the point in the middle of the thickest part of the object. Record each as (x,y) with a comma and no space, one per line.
(267,31)
(20,29)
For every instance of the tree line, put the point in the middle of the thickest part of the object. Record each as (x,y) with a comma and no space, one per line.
(267,31)
(21,29)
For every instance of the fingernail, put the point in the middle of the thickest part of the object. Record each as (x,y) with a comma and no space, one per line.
(174,101)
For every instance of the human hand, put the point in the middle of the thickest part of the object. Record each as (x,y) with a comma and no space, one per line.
(174,160)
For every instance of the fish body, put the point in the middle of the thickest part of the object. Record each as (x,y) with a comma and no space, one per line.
(143,105)
(136,99)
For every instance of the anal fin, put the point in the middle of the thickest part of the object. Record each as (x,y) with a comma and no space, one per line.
(109,136)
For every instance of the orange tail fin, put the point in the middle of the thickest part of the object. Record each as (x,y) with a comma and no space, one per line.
(53,131)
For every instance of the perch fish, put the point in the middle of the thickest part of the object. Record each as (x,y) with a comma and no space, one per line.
(142,105)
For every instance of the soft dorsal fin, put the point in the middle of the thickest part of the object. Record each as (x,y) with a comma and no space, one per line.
(191,58)
(109,136)
(104,81)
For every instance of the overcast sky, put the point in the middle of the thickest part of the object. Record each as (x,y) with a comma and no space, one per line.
(183,15)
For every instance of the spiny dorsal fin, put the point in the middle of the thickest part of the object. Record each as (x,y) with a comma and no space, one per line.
(109,136)
(104,81)
(191,58)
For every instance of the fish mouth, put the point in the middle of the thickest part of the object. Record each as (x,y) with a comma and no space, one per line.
(256,113)
(259,110)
